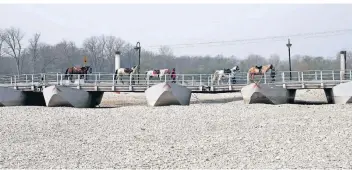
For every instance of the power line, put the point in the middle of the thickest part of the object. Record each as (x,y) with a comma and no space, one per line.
(255,40)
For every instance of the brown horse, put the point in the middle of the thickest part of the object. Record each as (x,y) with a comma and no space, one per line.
(77,70)
(261,70)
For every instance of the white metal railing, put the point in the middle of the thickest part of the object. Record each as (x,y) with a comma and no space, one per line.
(240,78)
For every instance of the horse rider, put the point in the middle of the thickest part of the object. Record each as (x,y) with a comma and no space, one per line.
(272,75)
(173,75)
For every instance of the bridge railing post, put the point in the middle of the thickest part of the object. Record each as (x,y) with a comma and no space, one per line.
(183,79)
(79,80)
(15,81)
(99,77)
(264,78)
(302,76)
(26,78)
(321,76)
(11,80)
(130,79)
(283,77)
(200,79)
(61,79)
(113,79)
(248,79)
(229,80)
(192,80)
(333,75)
(316,75)
(298,76)
(148,82)
(57,79)
(32,80)
(166,78)
(350,74)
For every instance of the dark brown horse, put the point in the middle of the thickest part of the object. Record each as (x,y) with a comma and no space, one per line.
(77,70)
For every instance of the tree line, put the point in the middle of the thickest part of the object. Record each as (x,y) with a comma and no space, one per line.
(41,57)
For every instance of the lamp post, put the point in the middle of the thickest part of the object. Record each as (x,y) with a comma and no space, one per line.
(289,56)
(138,47)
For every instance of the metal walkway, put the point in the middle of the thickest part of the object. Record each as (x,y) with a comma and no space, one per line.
(198,83)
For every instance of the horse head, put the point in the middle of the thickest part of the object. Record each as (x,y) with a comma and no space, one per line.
(236,68)
(271,66)
(86,69)
(134,68)
(89,69)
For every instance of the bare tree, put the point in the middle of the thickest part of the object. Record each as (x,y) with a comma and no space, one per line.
(95,49)
(112,44)
(48,55)
(2,39)
(102,51)
(67,49)
(13,37)
(165,51)
(274,59)
(34,50)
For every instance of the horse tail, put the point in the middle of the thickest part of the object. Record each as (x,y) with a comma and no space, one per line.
(116,71)
(249,76)
(66,71)
(146,75)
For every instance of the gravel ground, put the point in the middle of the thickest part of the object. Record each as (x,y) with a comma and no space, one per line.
(223,133)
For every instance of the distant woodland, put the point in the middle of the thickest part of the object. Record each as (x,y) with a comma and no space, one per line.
(39,57)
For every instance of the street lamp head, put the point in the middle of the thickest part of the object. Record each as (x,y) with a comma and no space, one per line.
(117,52)
(289,44)
(138,46)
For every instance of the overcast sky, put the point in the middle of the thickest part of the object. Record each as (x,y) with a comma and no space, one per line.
(178,24)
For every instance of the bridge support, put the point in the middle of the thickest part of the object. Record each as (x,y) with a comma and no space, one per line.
(13,97)
(33,98)
(342,93)
(165,94)
(291,93)
(56,96)
(95,98)
(329,95)
(264,93)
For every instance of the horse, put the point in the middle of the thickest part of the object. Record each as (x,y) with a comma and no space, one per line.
(156,73)
(77,70)
(226,72)
(123,72)
(261,70)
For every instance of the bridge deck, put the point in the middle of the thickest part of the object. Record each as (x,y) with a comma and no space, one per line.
(198,83)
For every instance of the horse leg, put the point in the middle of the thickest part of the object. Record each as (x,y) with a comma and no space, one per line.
(120,78)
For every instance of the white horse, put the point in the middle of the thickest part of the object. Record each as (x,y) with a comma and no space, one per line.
(156,73)
(124,72)
(228,73)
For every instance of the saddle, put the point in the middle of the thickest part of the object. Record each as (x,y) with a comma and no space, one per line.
(156,71)
(227,71)
(259,68)
(128,70)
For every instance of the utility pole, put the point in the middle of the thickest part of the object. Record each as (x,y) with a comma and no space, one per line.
(138,47)
(289,56)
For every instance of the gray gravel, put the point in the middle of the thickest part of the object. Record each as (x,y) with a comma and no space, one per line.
(222,134)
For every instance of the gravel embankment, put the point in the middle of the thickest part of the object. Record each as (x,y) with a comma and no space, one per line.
(221,134)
